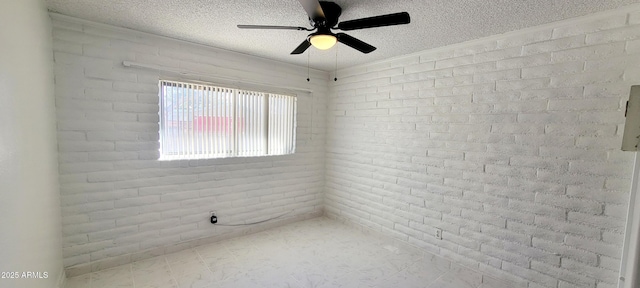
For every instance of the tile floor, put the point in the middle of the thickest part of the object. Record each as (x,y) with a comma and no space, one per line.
(315,253)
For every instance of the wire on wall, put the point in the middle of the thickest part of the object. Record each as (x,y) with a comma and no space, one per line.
(312,112)
(308,72)
(253,223)
(335,74)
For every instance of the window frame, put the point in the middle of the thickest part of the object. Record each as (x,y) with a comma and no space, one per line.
(194,88)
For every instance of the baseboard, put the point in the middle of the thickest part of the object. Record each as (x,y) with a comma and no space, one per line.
(159,251)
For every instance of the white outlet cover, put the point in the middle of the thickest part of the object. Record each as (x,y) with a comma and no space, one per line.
(438,233)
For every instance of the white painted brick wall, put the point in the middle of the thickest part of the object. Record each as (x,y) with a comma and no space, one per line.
(117,199)
(509,144)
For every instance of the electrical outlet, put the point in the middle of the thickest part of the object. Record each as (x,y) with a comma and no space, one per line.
(214,218)
(438,234)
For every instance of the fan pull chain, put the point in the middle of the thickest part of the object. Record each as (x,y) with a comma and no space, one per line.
(308,57)
(335,74)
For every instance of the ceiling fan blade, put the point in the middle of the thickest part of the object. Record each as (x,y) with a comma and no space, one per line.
(273,27)
(355,43)
(376,21)
(302,47)
(313,9)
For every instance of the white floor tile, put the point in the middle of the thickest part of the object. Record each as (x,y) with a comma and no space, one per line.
(317,253)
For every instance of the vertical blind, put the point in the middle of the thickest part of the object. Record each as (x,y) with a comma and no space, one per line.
(203,121)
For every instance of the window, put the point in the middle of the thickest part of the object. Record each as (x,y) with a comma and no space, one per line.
(202,121)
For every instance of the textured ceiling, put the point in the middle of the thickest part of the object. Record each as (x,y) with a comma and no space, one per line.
(434,23)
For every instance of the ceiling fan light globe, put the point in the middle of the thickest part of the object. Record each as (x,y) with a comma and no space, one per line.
(323,42)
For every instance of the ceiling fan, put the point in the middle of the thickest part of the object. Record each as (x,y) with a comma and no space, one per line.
(323,16)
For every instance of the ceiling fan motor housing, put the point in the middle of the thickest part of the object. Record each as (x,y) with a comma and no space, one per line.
(332,12)
(321,31)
